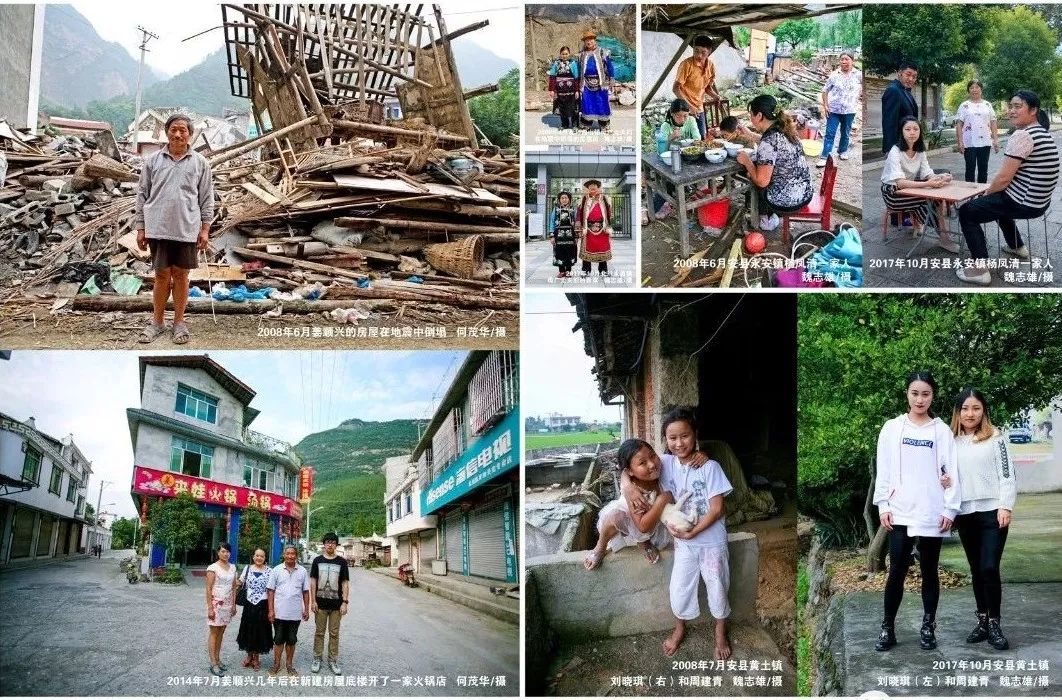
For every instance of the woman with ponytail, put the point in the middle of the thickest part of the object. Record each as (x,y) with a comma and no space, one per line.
(779,171)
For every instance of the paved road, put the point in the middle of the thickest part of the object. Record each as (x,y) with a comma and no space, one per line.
(539,272)
(882,266)
(1029,620)
(77,628)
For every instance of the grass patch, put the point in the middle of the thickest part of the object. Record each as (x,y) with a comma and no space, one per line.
(1031,554)
(548,440)
(803,642)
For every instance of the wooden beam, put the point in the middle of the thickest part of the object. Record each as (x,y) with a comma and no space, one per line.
(301,264)
(432,226)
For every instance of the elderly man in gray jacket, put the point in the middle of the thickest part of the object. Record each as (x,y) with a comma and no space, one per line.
(174,209)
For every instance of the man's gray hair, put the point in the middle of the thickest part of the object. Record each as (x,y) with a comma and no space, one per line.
(291,546)
(180,118)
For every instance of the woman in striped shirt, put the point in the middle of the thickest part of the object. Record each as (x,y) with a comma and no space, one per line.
(1021,189)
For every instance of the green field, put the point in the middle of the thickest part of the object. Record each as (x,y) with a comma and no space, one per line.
(1031,554)
(546,440)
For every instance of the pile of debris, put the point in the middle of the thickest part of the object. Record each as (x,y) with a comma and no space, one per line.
(332,203)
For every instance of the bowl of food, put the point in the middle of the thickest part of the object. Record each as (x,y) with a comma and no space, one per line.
(715,155)
(692,153)
(732,149)
(750,152)
(685,142)
(666,157)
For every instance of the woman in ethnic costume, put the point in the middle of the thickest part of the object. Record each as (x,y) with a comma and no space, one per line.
(595,231)
(595,82)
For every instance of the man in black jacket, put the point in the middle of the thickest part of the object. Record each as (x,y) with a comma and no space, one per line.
(897,102)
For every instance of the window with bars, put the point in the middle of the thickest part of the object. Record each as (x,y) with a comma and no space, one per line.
(409,501)
(191,457)
(493,390)
(196,404)
(31,467)
(445,444)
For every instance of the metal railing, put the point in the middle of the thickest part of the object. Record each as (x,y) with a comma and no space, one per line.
(256,439)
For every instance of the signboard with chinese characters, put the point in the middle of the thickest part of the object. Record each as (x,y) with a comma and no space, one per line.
(305,484)
(159,482)
(494,453)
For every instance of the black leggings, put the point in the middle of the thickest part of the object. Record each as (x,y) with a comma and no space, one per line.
(602,267)
(977,157)
(983,539)
(900,546)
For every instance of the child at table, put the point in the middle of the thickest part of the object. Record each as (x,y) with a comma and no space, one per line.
(734,131)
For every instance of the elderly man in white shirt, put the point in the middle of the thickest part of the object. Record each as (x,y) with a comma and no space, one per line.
(289,604)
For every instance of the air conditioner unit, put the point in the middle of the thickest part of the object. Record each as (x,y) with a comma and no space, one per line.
(438,567)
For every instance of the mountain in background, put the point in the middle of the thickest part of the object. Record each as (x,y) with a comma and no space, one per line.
(349,481)
(478,66)
(203,88)
(78,66)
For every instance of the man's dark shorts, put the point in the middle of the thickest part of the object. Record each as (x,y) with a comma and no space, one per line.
(166,253)
(285,632)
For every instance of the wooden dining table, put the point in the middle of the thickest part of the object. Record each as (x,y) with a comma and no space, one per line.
(950,195)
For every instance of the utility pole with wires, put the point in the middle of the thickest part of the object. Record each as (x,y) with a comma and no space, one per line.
(145,38)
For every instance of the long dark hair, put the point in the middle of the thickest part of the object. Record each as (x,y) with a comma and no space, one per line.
(927,377)
(679,414)
(627,449)
(919,145)
(677,105)
(986,430)
(767,107)
(1033,100)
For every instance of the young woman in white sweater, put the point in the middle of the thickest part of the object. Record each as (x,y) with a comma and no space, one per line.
(914,451)
(988,494)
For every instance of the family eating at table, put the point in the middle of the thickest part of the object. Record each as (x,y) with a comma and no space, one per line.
(777,169)
(1021,189)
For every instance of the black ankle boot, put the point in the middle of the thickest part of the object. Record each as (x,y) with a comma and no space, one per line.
(927,636)
(887,638)
(995,635)
(980,633)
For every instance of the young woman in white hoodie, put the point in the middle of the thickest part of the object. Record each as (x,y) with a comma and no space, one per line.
(914,451)
(988,494)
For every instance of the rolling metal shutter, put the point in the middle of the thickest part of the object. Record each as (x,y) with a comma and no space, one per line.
(453,543)
(427,550)
(486,542)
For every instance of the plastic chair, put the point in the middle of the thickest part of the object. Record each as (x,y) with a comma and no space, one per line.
(818,209)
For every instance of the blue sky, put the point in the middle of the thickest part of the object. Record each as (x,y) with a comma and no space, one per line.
(555,373)
(86,393)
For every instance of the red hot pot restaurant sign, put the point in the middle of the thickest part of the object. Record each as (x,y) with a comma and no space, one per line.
(157,482)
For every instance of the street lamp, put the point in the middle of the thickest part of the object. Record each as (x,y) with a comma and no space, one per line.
(309,512)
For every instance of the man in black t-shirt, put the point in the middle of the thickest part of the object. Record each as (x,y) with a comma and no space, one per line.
(329,598)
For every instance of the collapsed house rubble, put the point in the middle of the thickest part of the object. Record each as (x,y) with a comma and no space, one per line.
(332,209)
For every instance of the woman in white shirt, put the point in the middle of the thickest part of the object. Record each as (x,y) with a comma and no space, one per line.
(976,132)
(988,494)
(906,166)
(914,450)
(221,604)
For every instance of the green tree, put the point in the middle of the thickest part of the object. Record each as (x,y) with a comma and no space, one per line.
(742,36)
(854,352)
(176,523)
(90,513)
(940,39)
(255,531)
(122,532)
(850,28)
(1052,14)
(795,32)
(1023,57)
(497,114)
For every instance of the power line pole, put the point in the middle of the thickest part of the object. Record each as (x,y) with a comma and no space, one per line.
(145,38)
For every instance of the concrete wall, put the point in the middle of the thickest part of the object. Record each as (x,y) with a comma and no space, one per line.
(153,447)
(626,595)
(17,88)
(160,396)
(658,48)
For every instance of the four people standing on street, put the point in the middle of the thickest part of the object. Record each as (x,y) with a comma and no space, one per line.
(329,601)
